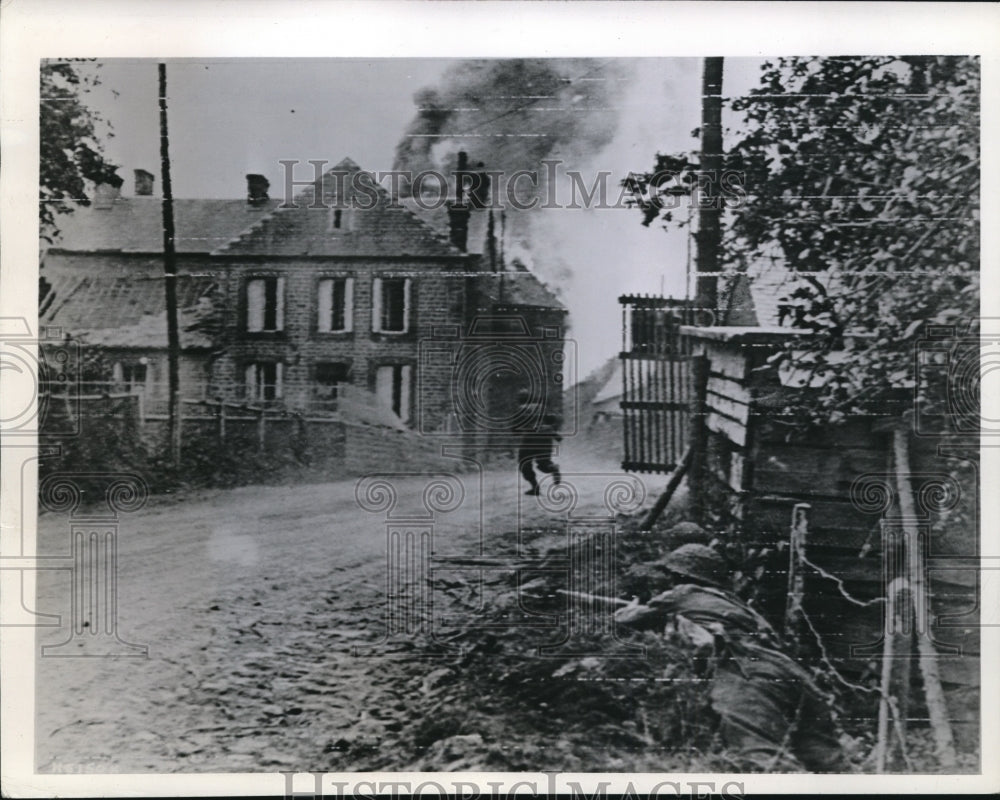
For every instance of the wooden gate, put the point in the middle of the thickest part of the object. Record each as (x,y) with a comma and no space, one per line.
(656,383)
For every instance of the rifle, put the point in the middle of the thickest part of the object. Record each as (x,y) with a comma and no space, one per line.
(612,601)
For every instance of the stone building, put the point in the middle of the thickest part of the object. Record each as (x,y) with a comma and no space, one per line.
(285,304)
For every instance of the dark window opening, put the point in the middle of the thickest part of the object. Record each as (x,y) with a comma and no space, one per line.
(134,375)
(394,304)
(130,376)
(264,304)
(336,305)
(329,377)
(393,384)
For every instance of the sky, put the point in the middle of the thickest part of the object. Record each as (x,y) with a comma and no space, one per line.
(229,117)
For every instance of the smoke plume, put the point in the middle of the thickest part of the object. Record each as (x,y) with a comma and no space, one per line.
(591,115)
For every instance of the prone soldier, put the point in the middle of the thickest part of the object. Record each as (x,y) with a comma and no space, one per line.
(773,715)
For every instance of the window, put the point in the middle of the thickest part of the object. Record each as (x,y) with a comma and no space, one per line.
(329,377)
(263,380)
(391,305)
(341,220)
(336,305)
(265,304)
(132,376)
(392,388)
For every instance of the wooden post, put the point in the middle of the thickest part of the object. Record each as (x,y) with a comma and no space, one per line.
(664,499)
(222,420)
(895,672)
(178,432)
(260,429)
(937,709)
(796,565)
(699,438)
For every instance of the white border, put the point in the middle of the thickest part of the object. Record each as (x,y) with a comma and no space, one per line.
(33,29)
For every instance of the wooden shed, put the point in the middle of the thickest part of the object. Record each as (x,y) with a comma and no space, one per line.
(758,471)
(827,501)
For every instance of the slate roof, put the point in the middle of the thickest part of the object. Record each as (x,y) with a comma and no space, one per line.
(122,305)
(517,288)
(436,216)
(612,388)
(386,229)
(135,225)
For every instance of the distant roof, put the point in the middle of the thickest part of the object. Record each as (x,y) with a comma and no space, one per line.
(763,295)
(612,387)
(135,225)
(385,229)
(122,305)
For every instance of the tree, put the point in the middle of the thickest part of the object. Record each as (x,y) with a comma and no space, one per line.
(71,154)
(862,178)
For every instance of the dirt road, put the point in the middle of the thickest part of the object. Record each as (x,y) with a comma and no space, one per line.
(253,603)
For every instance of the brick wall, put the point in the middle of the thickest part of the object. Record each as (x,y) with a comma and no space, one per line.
(442,308)
(437,300)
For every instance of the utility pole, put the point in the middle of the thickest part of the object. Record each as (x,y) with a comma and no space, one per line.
(170,282)
(710,211)
(707,261)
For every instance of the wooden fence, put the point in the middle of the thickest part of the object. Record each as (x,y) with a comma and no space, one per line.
(229,431)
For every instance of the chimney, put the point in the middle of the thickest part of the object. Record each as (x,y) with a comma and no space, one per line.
(257,186)
(105,194)
(491,242)
(143,183)
(479,188)
(460,173)
(458,211)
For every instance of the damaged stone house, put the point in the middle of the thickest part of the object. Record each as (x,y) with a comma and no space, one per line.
(292,305)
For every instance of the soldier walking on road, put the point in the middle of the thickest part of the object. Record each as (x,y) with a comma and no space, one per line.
(535,448)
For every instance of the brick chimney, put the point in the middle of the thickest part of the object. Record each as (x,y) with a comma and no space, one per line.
(257,186)
(458,211)
(105,194)
(143,183)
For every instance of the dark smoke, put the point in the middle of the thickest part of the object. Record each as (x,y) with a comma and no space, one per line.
(510,115)
(513,113)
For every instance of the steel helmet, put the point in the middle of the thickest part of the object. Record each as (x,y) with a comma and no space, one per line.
(688,532)
(696,561)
